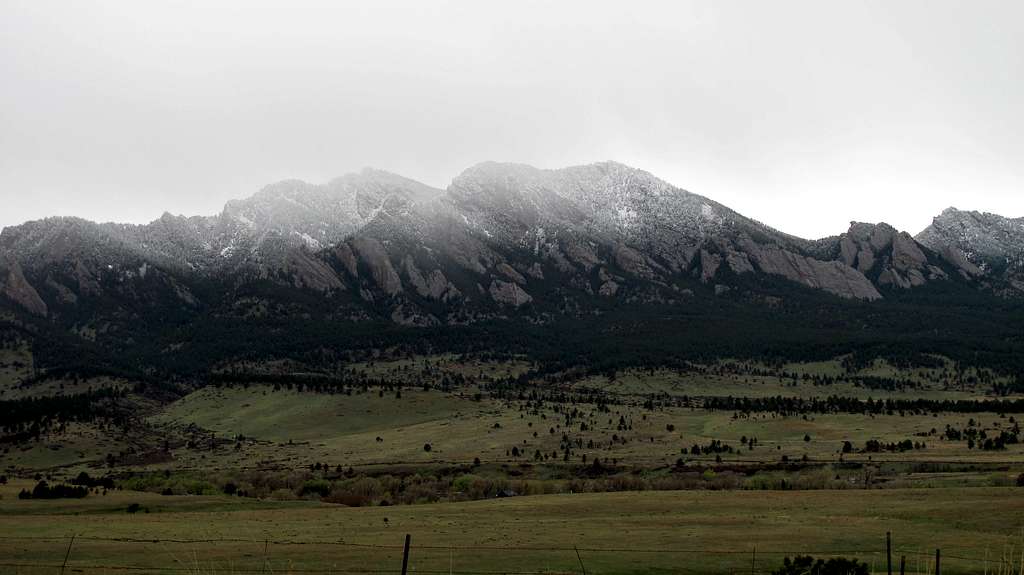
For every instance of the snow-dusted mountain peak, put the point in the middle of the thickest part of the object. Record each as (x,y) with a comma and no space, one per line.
(988,241)
(604,229)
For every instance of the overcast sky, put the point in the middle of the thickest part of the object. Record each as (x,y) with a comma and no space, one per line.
(804,115)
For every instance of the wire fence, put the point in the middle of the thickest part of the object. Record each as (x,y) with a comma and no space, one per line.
(95,554)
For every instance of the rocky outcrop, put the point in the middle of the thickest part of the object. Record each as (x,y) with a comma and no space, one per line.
(408,315)
(347,258)
(893,258)
(433,285)
(501,236)
(16,288)
(634,263)
(508,293)
(978,244)
(709,265)
(373,254)
(609,288)
(64,294)
(319,216)
(311,272)
(834,277)
(510,273)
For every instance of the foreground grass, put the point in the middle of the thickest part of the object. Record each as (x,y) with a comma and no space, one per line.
(646,532)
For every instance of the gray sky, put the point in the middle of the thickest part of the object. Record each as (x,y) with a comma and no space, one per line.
(804,115)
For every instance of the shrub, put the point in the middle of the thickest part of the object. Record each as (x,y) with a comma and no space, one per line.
(43,490)
(319,487)
(85,480)
(464,483)
(347,499)
(281,494)
(806,565)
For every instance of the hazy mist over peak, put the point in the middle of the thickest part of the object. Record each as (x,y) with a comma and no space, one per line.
(115,111)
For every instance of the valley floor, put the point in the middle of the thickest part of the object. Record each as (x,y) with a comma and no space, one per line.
(637,472)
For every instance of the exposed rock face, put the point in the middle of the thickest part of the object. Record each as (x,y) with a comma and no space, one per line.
(609,288)
(979,244)
(958,258)
(412,273)
(834,277)
(501,236)
(323,215)
(406,315)
(373,254)
(510,273)
(634,263)
(738,262)
(441,288)
(311,272)
(87,283)
(15,287)
(709,265)
(893,258)
(580,254)
(509,293)
(433,286)
(347,258)
(981,236)
(651,229)
(63,292)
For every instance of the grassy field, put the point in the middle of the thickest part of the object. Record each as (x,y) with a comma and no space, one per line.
(294,429)
(702,531)
(942,495)
(344,429)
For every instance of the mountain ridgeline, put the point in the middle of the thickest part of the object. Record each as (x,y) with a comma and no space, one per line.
(597,263)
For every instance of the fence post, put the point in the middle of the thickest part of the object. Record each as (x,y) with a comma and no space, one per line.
(903,564)
(580,559)
(753,559)
(405,555)
(67,553)
(938,557)
(888,552)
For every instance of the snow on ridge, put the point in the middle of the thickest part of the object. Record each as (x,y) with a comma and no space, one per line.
(310,241)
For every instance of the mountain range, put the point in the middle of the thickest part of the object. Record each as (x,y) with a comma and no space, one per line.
(503,241)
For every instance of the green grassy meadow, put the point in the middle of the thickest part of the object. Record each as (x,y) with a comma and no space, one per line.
(652,508)
(663,532)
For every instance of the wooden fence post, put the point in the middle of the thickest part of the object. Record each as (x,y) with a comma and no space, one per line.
(580,558)
(903,564)
(405,555)
(888,552)
(67,554)
(938,557)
